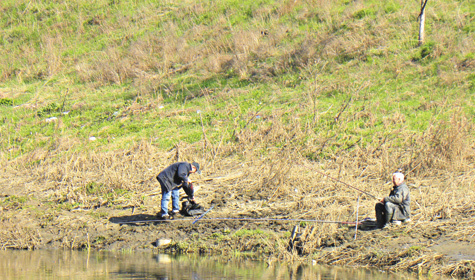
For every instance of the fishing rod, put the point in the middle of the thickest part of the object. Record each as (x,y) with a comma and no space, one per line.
(285,220)
(348,185)
(243,219)
(202,215)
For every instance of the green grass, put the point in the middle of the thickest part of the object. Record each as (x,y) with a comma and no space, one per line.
(82,58)
(249,232)
(14,202)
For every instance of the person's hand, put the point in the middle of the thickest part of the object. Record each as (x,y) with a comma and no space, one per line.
(381,200)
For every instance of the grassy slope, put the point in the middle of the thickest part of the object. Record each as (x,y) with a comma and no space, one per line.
(262,85)
(98,58)
(256,86)
(323,80)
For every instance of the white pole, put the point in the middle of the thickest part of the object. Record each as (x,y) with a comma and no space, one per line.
(422,21)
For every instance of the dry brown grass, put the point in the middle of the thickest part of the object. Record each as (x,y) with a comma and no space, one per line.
(267,172)
(274,162)
(18,236)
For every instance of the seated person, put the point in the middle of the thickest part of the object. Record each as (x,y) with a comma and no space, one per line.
(395,207)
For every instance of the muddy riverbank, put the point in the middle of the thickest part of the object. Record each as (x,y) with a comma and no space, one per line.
(443,244)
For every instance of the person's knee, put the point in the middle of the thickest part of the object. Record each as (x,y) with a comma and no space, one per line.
(165,196)
(389,206)
(379,207)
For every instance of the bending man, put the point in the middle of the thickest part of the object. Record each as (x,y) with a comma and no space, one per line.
(395,207)
(173,178)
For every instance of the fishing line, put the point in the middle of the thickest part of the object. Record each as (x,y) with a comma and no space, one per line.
(202,215)
(243,219)
(348,185)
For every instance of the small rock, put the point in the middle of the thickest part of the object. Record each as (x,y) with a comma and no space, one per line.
(162,242)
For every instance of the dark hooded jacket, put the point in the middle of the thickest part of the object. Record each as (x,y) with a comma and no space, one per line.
(400,196)
(176,175)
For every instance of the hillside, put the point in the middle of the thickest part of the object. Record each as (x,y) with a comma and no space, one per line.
(96,97)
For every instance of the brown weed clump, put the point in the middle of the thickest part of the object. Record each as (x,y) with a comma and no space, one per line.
(88,178)
(444,146)
(18,237)
(461,269)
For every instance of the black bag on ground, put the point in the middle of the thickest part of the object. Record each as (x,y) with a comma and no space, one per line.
(190,209)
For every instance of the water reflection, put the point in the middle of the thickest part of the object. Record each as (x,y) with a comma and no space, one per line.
(58,264)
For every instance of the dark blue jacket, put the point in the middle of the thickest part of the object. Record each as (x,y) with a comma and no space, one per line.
(175,175)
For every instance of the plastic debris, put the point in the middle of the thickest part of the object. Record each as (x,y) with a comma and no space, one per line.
(51,119)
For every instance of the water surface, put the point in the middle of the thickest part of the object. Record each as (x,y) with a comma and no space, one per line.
(59,264)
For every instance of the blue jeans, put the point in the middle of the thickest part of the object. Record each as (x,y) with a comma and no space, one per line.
(175,194)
